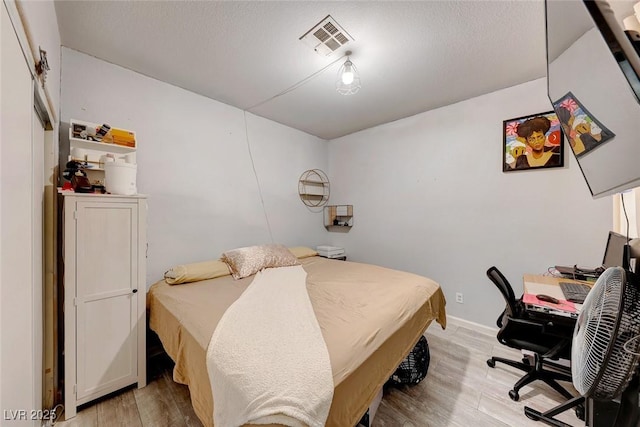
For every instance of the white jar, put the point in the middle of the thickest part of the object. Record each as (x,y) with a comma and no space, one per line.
(79,154)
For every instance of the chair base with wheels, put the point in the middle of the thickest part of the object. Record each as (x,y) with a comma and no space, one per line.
(547,417)
(535,372)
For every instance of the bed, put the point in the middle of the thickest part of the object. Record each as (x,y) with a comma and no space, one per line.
(370,318)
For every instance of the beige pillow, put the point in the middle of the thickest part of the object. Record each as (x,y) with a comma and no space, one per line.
(244,262)
(194,272)
(303,252)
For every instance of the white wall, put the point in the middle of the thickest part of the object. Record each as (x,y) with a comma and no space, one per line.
(194,163)
(430,197)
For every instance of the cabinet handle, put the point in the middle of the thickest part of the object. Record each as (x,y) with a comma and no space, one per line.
(134,291)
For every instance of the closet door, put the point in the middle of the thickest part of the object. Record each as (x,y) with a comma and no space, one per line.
(106,296)
(18,331)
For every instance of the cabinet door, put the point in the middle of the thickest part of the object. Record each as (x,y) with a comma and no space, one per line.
(106,305)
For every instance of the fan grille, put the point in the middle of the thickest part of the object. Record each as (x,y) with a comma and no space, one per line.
(601,368)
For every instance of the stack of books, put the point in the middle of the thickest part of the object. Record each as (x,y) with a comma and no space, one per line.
(123,137)
(330,251)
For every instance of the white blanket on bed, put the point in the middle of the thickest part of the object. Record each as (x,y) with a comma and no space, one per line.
(267,359)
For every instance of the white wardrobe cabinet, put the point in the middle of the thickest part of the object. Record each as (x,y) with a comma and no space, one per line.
(104,295)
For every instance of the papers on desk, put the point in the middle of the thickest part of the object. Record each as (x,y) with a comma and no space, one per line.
(563,305)
(564,308)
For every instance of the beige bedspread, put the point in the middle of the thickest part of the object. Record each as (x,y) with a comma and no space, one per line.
(370,318)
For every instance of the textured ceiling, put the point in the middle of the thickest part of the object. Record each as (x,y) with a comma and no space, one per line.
(412,56)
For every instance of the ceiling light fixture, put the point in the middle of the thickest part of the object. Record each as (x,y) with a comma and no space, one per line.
(348,82)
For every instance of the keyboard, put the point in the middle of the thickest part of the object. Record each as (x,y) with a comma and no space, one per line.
(574,292)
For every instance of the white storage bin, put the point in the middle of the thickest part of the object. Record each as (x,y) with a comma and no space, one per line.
(373,408)
(120,178)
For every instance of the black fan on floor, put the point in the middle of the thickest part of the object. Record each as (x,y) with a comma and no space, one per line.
(414,367)
(604,355)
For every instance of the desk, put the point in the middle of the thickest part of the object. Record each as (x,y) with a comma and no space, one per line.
(550,285)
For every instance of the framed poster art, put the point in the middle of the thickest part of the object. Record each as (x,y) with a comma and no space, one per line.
(532,142)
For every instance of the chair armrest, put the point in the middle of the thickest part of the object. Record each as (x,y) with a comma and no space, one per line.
(528,323)
(520,328)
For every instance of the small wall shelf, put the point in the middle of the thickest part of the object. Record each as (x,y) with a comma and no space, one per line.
(313,188)
(91,152)
(338,217)
(100,146)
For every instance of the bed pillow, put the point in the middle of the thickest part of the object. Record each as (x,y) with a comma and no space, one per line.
(244,262)
(197,271)
(303,252)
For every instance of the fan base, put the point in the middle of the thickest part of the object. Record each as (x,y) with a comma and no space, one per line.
(547,417)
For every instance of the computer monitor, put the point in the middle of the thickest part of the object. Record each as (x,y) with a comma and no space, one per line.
(614,253)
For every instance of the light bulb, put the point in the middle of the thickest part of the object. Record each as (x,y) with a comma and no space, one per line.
(347,74)
(347,77)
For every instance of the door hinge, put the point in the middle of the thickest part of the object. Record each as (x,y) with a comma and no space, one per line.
(75,389)
(75,215)
(75,302)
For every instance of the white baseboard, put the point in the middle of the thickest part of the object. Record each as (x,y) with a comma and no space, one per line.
(487,330)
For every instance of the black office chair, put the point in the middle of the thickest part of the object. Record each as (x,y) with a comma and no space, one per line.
(546,340)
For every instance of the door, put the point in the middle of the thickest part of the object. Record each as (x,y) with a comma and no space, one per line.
(18,246)
(106,297)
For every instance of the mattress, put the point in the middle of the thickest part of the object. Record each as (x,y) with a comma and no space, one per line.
(370,318)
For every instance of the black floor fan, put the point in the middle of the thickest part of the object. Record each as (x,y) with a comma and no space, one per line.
(605,351)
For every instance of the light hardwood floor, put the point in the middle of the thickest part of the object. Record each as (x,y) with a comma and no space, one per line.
(459,390)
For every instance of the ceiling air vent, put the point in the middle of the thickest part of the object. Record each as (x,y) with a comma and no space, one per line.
(326,37)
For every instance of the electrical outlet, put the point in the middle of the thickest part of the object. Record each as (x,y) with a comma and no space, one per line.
(459,298)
